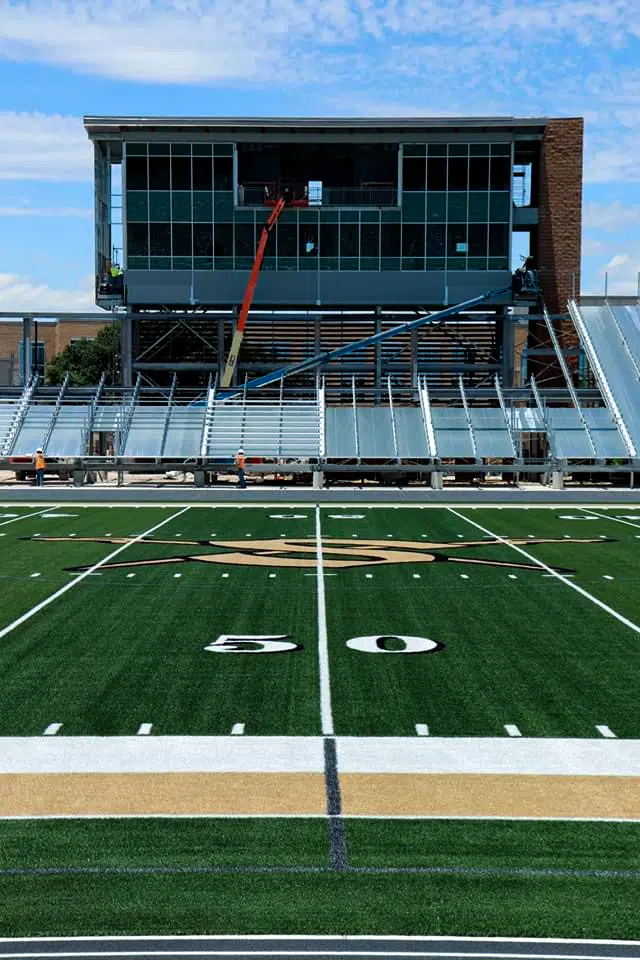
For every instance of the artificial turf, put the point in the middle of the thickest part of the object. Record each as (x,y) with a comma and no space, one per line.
(517,646)
(332,902)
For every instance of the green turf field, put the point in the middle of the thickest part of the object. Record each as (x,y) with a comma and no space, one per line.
(126,645)
(105,617)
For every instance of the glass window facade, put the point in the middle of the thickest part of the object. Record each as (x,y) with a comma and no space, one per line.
(454,213)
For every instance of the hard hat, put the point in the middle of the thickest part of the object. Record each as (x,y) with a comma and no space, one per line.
(39,450)
(240,450)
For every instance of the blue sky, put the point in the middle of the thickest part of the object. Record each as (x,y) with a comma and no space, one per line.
(60,60)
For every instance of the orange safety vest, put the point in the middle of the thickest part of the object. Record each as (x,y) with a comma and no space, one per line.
(240,461)
(41,463)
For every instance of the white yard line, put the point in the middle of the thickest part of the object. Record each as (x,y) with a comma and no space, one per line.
(54,596)
(553,573)
(602,516)
(24,516)
(326,715)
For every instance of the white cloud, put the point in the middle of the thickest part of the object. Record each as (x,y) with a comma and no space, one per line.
(23,293)
(37,146)
(609,216)
(55,212)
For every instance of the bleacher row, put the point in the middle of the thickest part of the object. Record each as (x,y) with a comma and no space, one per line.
(179,426)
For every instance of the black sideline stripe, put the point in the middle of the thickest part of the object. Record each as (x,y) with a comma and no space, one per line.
(335,822)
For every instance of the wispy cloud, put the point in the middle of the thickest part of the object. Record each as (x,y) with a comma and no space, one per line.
(36,146)
(613,216)
(55,212)
(19,292)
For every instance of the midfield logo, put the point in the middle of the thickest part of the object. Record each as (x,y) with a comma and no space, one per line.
(336,552)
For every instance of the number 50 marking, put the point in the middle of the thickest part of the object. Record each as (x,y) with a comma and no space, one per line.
(279,643)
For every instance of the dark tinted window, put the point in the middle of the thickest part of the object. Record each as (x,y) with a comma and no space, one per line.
(369,240)
(413,170)
(137,240)
(203,239)
(479,173)
(390,240)
(458,173)
(498,240)
(180,173)
(413,240)
(223,173)
(136,173)
(182,239)
(202,173)
(223,239)
(159,173)
(329,240)
(244,240)
(160,234)
(500,173)
(349,240)
(436,173)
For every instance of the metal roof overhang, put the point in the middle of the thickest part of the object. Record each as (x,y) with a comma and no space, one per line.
(105,127)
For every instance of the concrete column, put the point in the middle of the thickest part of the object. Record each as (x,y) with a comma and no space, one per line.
(198,477)
(557,480)
(436,480)
(318,479)
(414,359)
(126,348)
(26,351)
(508,350)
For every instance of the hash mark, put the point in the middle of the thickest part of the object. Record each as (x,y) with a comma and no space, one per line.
(422,729)
(176,576)
(129,575)
(144,730)
(512,576)
(416,576)
(237,729)
(33,575)
(272,576)
(605,576)
(369,576)
(512,730)
(225,575)
(464,576)
(52,729)
(605,731)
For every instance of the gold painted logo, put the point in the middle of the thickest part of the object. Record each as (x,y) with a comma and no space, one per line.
(336,552)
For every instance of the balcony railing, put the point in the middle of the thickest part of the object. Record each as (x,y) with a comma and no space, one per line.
(304,195)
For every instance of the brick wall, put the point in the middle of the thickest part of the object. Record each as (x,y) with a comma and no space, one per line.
(558,246)
(55,336)
(560,224)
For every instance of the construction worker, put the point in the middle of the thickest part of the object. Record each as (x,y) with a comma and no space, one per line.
(240,462)
(41,466)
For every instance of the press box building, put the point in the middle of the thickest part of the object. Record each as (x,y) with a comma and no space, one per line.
(387,216)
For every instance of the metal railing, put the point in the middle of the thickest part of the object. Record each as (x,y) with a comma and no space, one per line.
(368,195)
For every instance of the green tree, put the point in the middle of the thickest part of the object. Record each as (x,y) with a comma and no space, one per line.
(86,360)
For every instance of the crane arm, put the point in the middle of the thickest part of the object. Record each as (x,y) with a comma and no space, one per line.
(236,343)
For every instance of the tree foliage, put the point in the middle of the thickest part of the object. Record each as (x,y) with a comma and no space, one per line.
(87,360)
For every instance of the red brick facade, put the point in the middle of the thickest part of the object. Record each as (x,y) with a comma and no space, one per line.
(560,223)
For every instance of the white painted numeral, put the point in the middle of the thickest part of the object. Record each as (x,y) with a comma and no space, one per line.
(379,644)
(256,643)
